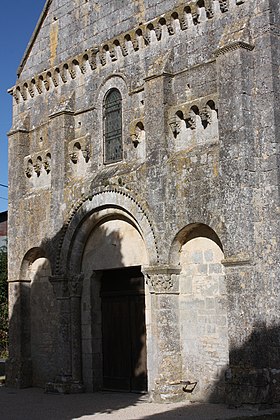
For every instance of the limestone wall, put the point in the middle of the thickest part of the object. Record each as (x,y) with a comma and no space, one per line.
(198,81)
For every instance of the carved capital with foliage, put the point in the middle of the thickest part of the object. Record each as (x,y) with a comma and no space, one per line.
(162,279)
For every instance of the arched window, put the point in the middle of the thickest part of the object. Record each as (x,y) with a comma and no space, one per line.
(112,114)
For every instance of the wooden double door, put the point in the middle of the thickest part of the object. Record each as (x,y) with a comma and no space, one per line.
(124,330)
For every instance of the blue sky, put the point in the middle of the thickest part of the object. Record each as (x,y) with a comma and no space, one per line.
(17,21)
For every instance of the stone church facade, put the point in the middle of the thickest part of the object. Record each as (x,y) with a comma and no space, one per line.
(144,200)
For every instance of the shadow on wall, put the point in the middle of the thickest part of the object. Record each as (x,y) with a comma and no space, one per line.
(49,343)
(254,373)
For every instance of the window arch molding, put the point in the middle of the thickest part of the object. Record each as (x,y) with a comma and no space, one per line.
(112,126)
(113,82)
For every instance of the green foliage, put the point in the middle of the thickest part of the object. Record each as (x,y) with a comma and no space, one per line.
(3,302)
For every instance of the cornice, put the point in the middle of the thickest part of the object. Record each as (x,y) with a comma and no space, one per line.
(234,46)
(120,46)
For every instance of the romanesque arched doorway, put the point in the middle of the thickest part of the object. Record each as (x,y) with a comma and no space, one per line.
(113,306)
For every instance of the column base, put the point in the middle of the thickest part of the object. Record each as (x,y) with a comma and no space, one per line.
(64,384)
(168,393)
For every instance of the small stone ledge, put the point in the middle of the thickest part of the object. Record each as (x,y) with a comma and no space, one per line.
(237,261)
(234,46)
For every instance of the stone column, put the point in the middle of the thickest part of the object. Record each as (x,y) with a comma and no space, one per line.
(60,286)
(163,284)
(19,365)
(75,285)
(68,293)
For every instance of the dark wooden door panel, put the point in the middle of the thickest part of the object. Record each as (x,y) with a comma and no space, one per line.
(116,341)
(123,330)
(138,344)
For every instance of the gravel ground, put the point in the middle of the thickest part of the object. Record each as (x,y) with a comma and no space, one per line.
(34,404)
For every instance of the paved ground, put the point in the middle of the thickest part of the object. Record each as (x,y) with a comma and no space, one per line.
(33,404)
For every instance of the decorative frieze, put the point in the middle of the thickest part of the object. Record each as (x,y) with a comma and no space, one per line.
(188,114)
(38,164)
(181,18)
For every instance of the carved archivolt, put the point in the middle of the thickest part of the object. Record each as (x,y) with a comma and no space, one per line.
(204,109)
(37,164)
(179,19)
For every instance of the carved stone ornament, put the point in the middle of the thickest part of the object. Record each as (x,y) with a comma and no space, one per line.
(86,153)
(162,280)
(76,285)
(175,126)
(73,157)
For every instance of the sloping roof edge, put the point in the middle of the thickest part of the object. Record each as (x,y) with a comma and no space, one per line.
(34,36)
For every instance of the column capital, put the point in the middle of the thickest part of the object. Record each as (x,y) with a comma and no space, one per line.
(76,284)
(60,287)
(162,279)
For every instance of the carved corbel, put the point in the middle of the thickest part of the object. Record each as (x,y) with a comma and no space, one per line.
(55,77)
(31,89)
(175,125)
(76,285)
(137,132)
(146,36)
(63,73)
(38,166)
(86,153)
(102,58)
(46,82)
(135,43)
(74,157)
(224,5)
(112,52)
(209,8)
(124,49)
(170,29)
(93,58)
(191,120)
(205,116)
(39,85)
(158,31)
(83,63)
(23,92)
(47,163)
(15,95)
(29,168)
(72,70)
(183,23)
